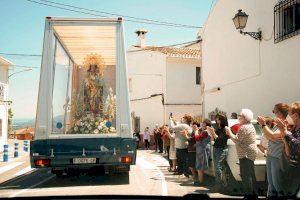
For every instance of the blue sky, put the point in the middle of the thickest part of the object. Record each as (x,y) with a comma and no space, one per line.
(22,26)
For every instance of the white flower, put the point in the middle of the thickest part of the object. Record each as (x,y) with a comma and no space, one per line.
(92,120)
(75,128)
(96,131)
(86,131)
(81,123)
(99,127)
(90,128)
(82,129)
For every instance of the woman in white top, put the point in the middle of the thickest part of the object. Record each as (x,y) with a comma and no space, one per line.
(147,138)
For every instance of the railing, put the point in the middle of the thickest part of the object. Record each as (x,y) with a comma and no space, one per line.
(286,19)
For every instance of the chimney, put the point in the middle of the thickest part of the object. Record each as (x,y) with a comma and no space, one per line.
(141,37)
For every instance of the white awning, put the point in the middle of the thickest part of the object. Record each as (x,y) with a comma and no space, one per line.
(80,41)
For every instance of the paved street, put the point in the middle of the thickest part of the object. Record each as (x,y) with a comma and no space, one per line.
(148,177)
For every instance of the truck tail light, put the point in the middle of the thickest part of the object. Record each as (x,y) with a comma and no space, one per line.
(42,162)
(126,159)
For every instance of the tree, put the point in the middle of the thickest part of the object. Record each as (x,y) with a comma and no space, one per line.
(10,116)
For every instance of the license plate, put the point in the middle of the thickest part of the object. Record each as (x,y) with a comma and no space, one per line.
(84,160)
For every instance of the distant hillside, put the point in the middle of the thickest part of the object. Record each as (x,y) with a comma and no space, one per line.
(22,123)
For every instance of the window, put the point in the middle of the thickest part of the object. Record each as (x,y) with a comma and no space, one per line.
(60,89)
(286,19)
(198,75)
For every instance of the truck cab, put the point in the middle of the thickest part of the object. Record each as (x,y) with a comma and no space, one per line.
(83,113)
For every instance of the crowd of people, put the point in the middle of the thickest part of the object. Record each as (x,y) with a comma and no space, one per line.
(187,145)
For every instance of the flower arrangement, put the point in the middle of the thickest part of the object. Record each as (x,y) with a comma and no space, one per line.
(110,105)
(92,125)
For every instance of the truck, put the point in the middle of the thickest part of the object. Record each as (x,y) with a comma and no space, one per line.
(83,118)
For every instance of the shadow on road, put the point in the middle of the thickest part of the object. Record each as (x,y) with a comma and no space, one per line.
(208,184)
(75,179)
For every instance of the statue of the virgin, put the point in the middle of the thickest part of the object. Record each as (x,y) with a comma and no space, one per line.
(95,91)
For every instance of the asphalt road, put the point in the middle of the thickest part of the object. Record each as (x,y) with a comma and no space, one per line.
(148,177)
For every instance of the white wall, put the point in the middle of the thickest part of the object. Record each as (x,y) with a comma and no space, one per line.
(3,106)
(150,111)
(3,74)
(179,111)
(4,118)
(181,81)
(146,70)
(250,73)
(153,73)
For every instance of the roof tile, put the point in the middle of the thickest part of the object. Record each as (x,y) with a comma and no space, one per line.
(175,52)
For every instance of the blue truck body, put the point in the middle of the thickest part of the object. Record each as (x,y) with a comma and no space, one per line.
(61,152)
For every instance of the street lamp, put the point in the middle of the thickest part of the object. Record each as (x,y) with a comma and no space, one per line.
(25,70)
(10,102)
(240,21)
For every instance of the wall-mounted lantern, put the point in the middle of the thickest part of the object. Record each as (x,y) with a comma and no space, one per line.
(240,22)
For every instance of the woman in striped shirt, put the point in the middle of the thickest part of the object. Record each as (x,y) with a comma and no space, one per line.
(245,143)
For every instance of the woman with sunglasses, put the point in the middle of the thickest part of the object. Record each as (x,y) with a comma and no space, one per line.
(245,143)
(220,149)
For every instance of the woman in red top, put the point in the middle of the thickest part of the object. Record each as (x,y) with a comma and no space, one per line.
(202,151)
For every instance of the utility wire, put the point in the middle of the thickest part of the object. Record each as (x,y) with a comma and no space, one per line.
(89,13)
(23,66)
(38,55)
(26,66)
(124,16)
(174,45)
(20,54)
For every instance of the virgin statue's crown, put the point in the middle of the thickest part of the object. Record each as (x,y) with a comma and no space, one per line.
(94,59)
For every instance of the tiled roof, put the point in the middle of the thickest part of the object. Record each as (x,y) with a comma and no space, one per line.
(24,131)
(175,52)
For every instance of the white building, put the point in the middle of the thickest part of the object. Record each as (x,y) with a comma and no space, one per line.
(241,72)
(4,68)
(163,80)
